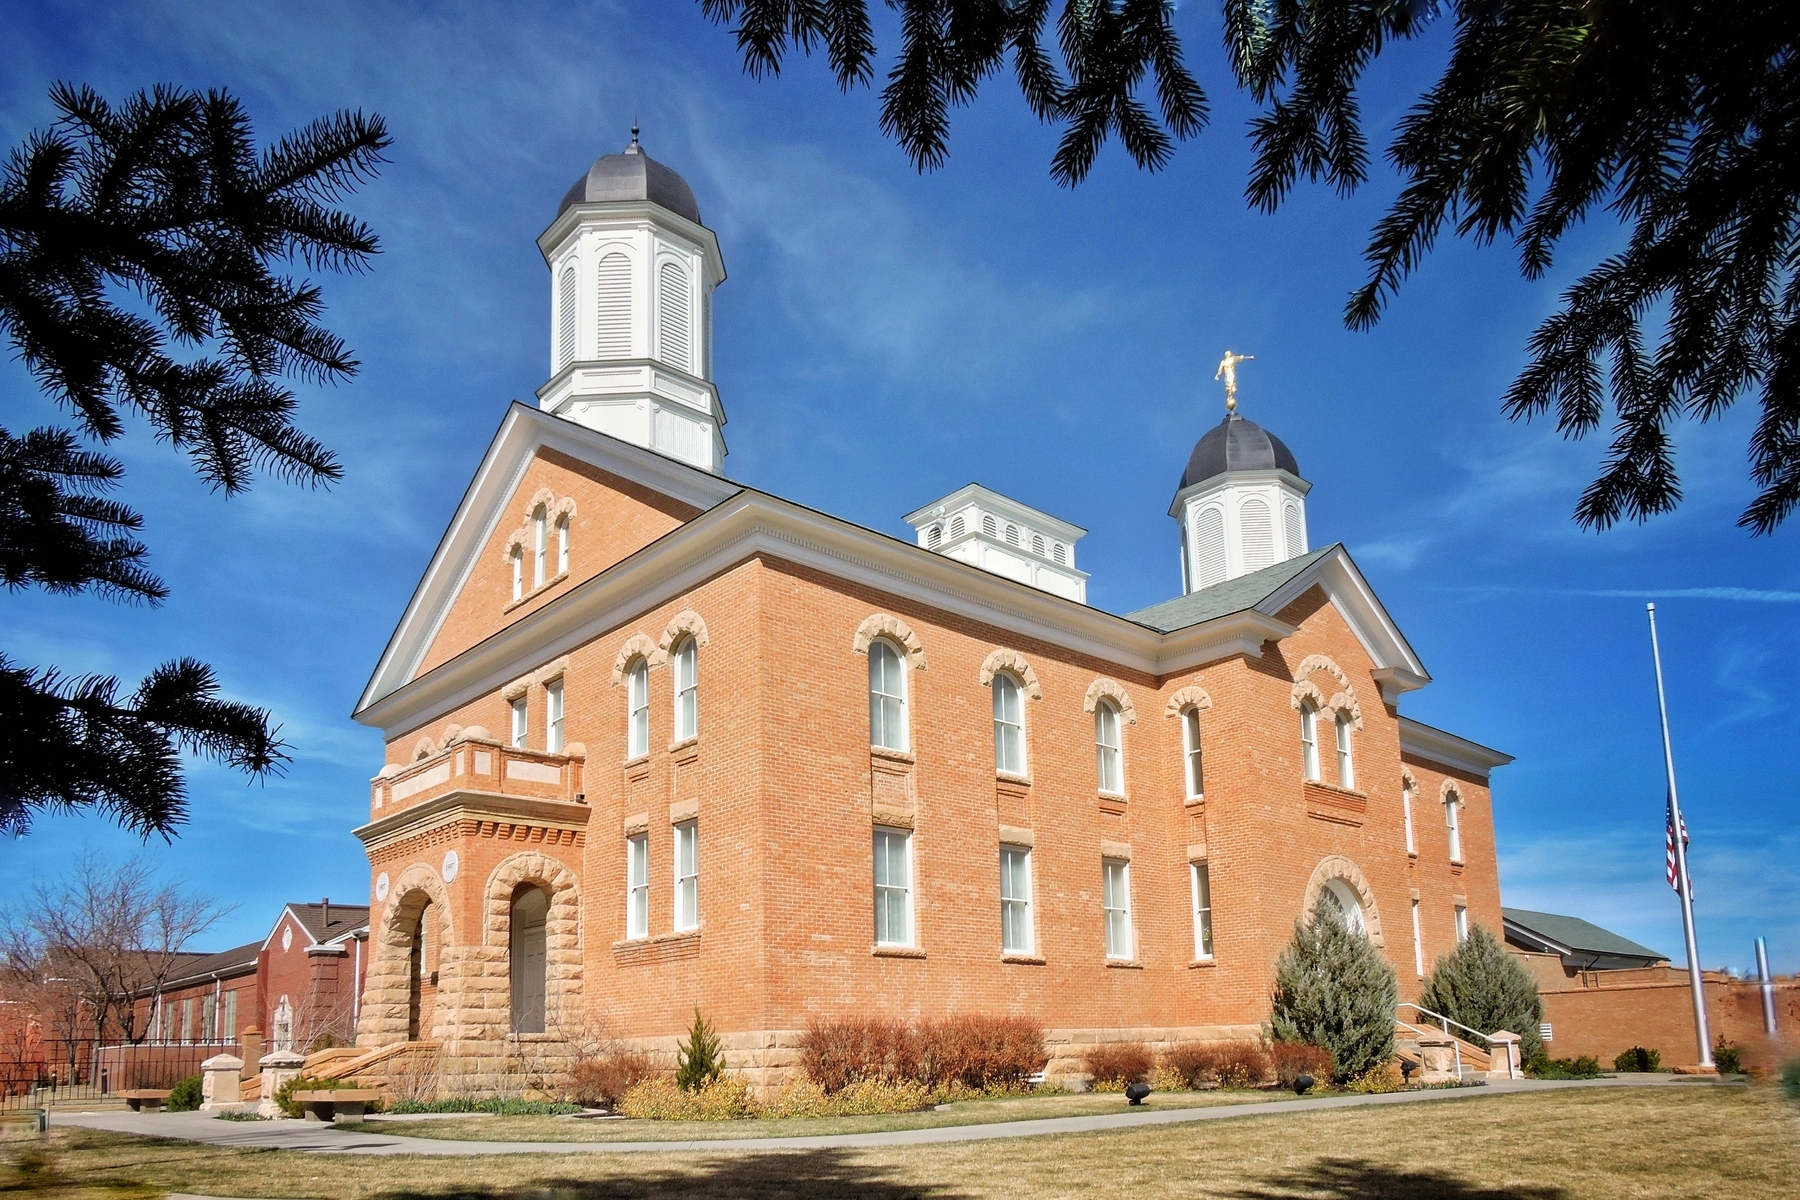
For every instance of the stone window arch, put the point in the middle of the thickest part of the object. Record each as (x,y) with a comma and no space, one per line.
(1014,663)
(1192,696)
(488,1008)
(1114,690)
(415,915)
(1347,880)
(1188,703)
(636,646)
(881,625)
(686,623)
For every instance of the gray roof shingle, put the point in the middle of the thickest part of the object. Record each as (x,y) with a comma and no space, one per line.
(1581,936)
(1223,599)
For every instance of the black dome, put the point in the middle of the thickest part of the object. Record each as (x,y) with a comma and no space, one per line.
(1235,444)
(633,175)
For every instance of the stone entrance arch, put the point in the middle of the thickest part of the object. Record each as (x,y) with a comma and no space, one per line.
(490,991)
(1346,880)
(398,995)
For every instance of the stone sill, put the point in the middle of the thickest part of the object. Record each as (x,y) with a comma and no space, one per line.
(636,762)
(535,592)
(896,952)
(686,743)
(1334,788)
(1124,964)
(1007,777)
(1023,960)
(661,939)
(1202,962)
(1194,802)
(899,756)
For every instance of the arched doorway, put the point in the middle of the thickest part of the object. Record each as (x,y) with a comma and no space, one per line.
(1342,897)
(526,957)
(421,971)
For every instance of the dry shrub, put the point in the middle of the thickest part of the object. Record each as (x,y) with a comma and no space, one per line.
(1112,1065)
(658,1099)
(865,1097)
(1227,1064)
(979,1054)
(1384,1078)
(1291,1060)
(836,1053)
(606,1077)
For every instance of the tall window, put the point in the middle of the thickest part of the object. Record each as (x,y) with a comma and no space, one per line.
(1309,740)
(228,1023)
(553,716)
(565,319)
(893,887)
(1116,880)
(637,699)
(1406,814)
(887,696)
(518,721)
(1462,923)
(526,960)
(687,875)
(1106,747)
(562,546)
(187,1017)
(1451,804)
(1346,768)
(1015,900)
(540,545)
(518,574)
(209,1029)
(687,690)
(1418,943)
(1190,733)
(1200,883)
(637,885)
(1009,724)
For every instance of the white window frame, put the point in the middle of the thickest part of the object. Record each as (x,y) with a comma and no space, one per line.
(1009,729)
(553,716)
(1346,762)
(1017,936)
(518,573)
(1309,741)
(521,722)
(637,886)
(562,545)
(1462,923)
(888,890)
(1115,902)
(637,708)
(1193,761)
(1454,824)
(1406,798)
(687,875)
(1418,943)
(540,545)
(888,718)
(686,661)
(1200,889)
(1109,757)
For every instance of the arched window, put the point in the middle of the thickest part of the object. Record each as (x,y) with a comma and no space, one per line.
(1342,897)
(565,318)
(687,690)
(518,573)
(1258,532)
(990,526)
(553,716)
(1106,748)
(1209,547)
(1346,768)
(673,338)
(956,527)
(1190,737)
(540,545)
(1037,544)
(1058,553)
(934,537)
(887,696)
(562,546)
(530,912)
(1309,740)
(1290,520)
(1009,724)
(637,703)
(612,333)
(1406,797)
(1451,803)
(1012,535)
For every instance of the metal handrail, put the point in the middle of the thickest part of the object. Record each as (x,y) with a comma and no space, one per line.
(1426,1012)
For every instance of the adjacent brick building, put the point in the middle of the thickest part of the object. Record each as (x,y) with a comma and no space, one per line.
(657,740)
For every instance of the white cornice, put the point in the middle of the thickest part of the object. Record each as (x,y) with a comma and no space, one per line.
(631,214)
(454,806)
(1438,746)
(1398,669)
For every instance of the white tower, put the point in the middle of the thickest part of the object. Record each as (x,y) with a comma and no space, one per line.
(997,533)
(632,271)
(1241,504)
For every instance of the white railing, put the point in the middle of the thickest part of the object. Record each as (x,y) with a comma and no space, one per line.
(1444,1024)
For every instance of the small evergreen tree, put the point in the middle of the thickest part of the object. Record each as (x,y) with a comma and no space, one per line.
(699,1060)
(1333,989)
(1482,986)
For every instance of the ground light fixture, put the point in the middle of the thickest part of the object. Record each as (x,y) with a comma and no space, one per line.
(1135,1092)
(1302,1084)
(1407,1067)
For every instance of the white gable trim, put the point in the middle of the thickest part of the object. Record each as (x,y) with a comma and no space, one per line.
(1397,668)
(522,432)
(288,913)
(1447,749)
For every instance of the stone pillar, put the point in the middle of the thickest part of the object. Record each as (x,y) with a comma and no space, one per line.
(277,1069)
(1504,1061)
(1437,1058)
(250,1049)
(219,1083)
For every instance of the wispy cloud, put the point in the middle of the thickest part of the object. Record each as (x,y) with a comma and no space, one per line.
(1752,595)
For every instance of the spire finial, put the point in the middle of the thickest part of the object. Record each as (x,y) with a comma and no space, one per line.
(1228,372)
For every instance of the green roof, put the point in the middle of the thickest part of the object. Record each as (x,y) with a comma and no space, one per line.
(1223,599)
(1578,935)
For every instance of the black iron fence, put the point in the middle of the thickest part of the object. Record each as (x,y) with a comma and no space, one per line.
(56,1072)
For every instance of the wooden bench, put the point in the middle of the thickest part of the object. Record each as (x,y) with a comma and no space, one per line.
(145,1099)
(331,1104)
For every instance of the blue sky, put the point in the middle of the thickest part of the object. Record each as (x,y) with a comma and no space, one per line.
(884,337)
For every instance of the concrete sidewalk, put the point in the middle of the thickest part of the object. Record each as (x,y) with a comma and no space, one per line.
(323,1139)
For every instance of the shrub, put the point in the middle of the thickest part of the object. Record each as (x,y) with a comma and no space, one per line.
(1728,1058)
(497,1107)
(837,1053)
(1228,1064)
(1333,989)
(239,1114)
(1637,1059)
(1112,1065)
(1480,985)
(1544,1067)
(1790,1078)
(604,1079)
(186,1095)
(300,1083)
(1376,1080)
(1290,1060)
(983,1054)
(661,1099)
(865,1097)
(699,1060)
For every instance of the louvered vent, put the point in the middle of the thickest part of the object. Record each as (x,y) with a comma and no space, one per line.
(956,527)
(565,319)
(1296,541)
(612,335)
(1258,528)
(1012,535)
(672,316)
(1057,552)
(1209,547)
(990,526)
(934,537)
(1037,544)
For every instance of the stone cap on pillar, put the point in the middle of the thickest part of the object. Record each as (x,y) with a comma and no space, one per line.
(223,1062)
(283,1058)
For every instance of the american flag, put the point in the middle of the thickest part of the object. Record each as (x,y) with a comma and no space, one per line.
(1669,845)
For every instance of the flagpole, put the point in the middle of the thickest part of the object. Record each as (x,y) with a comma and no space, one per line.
(1686,891)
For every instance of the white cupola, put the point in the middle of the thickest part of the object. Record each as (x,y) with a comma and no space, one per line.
(632,271)
(981,527)
(1241,504)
